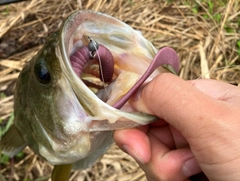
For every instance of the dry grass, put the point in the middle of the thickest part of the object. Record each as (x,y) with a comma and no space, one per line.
(206,47)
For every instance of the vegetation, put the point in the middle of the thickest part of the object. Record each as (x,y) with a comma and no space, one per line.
(205,33)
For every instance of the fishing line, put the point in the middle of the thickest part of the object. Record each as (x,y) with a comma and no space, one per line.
(94,43)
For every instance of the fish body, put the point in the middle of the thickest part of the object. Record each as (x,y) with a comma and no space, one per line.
(68,118)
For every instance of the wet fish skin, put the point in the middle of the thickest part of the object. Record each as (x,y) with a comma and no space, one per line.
(56,114)
(38,112)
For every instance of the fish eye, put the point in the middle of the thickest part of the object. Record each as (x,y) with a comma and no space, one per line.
(42,73)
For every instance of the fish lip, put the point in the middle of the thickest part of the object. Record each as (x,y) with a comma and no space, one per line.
(69,27)
(63,53)
(93,105)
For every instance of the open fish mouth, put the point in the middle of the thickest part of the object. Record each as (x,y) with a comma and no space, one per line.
(75,91)
(110,57)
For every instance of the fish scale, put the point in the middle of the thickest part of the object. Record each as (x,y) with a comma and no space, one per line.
(58,116)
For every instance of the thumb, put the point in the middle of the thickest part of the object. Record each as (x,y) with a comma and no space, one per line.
(178,102)
(209,122)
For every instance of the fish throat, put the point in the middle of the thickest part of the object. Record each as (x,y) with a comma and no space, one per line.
(93,54)
(98,55)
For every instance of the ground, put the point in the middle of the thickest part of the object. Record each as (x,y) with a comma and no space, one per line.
(205,34)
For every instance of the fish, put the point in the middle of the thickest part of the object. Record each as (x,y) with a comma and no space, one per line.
(74,92)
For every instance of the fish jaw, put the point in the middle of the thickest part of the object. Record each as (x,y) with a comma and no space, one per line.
(131,52)
(50,118)
(65,121)
(42,123)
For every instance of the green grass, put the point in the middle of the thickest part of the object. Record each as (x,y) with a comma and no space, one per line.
(209,8)
(9,123)
(238,47)
(6,12)
(2,95)
(4,159)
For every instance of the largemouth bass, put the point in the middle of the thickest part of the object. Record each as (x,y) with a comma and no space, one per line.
(74,92)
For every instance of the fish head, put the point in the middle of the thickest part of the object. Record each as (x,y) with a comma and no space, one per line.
(47,111)
(67,117)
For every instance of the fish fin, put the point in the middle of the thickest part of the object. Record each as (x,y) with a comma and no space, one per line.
(61,172)
(12,142)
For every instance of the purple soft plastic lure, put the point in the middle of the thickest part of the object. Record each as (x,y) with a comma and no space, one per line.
(83,55)
(59,106)
(165,56)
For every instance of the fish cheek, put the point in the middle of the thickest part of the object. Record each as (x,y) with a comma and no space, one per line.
(34,97)
(43,110)
(27,104)
(45,74)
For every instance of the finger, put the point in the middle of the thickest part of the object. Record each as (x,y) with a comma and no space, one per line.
(179,140)
(209,125)
(176,137)
(162,163)
(135,142)
(168,165)
(135,139)
(218,90)
(186,108)
(169,136)
(164,135)
(174,165)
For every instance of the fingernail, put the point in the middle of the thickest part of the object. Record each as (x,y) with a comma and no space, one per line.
(132,153)
(190,168)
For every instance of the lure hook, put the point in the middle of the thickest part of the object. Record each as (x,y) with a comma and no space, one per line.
(93,47)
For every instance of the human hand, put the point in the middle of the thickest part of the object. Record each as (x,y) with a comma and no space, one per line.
(200,131)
